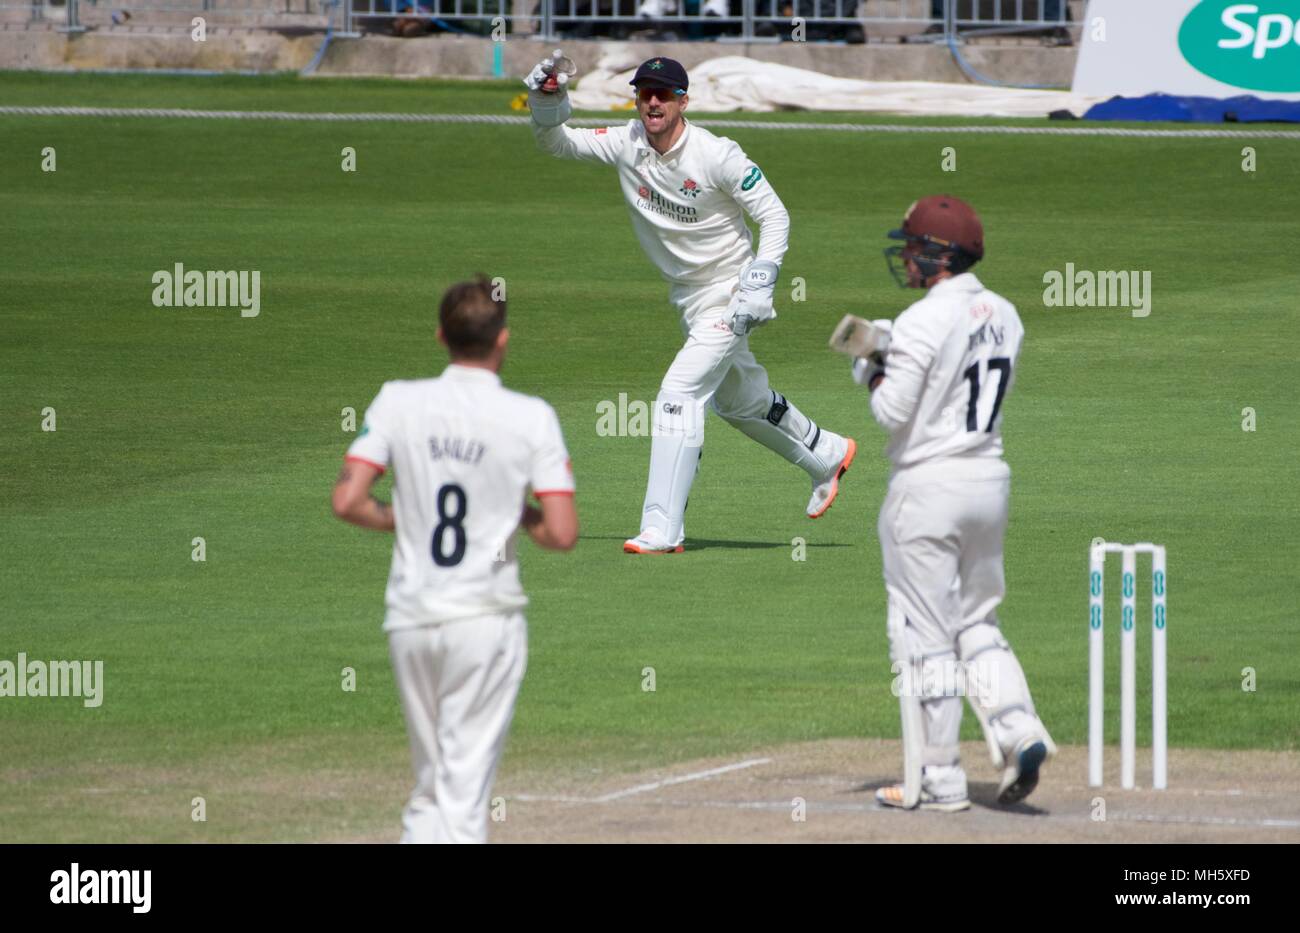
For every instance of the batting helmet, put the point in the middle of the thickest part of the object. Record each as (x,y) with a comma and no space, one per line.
(941,233)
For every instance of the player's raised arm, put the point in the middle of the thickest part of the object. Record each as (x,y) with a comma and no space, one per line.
(548,102)
(753,192)
(752,304)
(895,396)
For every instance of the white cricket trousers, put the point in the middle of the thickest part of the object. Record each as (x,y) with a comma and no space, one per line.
(716,368)
(458,682)
(941,530)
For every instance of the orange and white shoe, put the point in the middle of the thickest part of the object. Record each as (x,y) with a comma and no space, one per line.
(825,491)
(651,541)
(892,796)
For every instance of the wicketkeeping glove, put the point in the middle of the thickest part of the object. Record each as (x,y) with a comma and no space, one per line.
(751,305)
(548,98)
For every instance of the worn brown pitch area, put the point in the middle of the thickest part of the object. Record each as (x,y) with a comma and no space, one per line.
(1214,796)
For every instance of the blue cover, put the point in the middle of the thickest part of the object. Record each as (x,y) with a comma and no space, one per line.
(1244,109)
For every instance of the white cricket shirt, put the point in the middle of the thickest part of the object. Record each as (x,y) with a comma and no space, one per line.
(464,450)
(950,366)
(688,205)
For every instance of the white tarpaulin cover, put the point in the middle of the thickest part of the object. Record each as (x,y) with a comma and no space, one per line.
(731,83)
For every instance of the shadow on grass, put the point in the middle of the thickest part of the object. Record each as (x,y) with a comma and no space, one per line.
(703,544)
(981,795)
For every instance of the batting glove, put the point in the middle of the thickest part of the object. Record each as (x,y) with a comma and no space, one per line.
(751,305)
(882,343)
(866,370)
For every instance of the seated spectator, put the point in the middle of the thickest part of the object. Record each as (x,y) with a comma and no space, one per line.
(697,19)
(658,9)
(815,30)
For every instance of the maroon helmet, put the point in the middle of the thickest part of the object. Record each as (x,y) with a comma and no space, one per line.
(941,232)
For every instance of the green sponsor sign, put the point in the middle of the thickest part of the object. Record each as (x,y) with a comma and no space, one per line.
(1248,45)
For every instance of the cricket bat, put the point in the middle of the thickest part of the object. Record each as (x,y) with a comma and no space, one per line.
(857,337)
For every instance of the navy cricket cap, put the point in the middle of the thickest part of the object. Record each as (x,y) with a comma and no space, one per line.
(661,72)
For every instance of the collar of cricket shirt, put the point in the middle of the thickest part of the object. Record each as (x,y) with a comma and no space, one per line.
(471,373)
(644,143)
(965,282)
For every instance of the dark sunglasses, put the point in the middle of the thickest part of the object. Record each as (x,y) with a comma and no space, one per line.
(648,94)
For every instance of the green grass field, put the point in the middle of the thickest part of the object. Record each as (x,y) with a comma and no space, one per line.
(177,423)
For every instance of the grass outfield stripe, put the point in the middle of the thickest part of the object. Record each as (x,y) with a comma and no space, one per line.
(226,677)
(327,117)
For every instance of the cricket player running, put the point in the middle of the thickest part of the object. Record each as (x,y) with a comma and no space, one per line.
(939,391)
(464,451)
(688,192)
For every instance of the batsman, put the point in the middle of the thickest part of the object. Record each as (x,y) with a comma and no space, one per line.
(688,192)
(939,376)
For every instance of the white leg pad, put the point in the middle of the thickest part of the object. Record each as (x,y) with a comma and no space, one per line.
(928,701)
(675,448)
(783,428)
(997,690)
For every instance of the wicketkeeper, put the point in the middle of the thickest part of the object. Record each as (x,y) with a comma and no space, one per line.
(688,192)
(938,389)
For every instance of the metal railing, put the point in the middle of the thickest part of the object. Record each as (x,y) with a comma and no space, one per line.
(80,15)
(743,20)
(32,12)
(747,20)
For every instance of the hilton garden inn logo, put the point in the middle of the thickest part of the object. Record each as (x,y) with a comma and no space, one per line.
(26,678)
(86,886)
(1082,289)
(192,288)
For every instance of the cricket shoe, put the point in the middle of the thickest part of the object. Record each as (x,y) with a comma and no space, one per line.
(892,796)
(825,490)
(651,541)
(1020,776)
